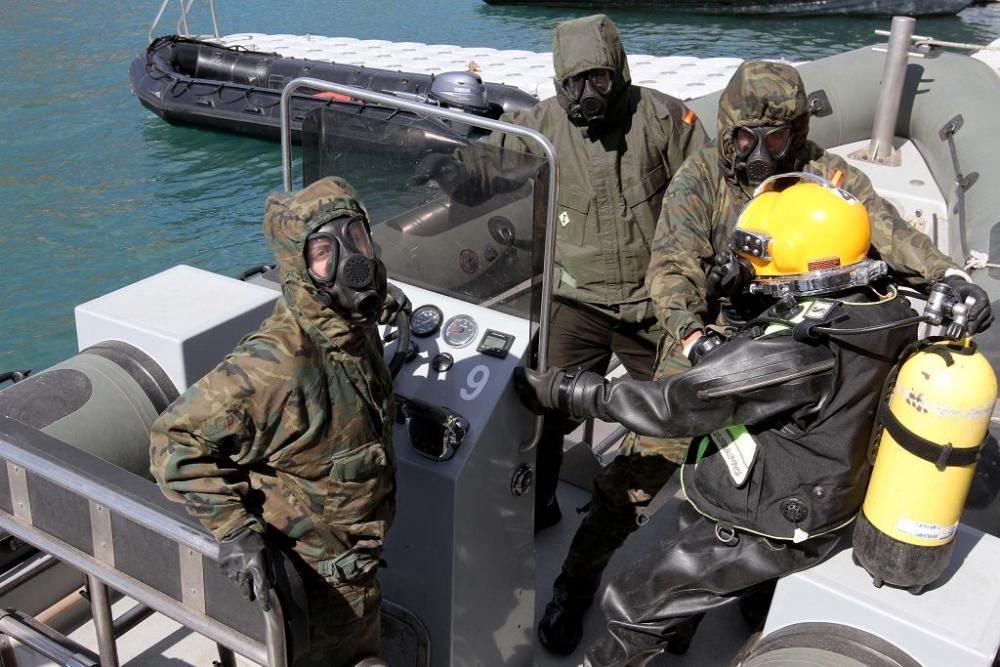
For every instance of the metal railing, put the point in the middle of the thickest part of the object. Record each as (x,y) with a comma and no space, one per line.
(183,27)
(480,122)
(99,567)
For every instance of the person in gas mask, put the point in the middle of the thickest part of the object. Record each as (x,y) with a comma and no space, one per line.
(782,411)
(619,144)
(287,444)
(763,123)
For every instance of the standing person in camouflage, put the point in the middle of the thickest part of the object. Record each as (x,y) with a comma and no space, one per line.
(763,128)
(288,442)
(619,144)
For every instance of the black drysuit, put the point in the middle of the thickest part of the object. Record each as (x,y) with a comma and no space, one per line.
(782,470)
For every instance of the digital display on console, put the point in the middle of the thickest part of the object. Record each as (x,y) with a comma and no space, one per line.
(495,344)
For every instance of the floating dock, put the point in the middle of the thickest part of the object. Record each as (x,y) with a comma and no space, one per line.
(685,77)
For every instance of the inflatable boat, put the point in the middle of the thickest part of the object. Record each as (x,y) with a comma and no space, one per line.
(465,567)
(187,81)
(777,7)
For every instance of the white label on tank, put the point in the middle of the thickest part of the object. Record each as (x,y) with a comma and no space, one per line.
(926,531)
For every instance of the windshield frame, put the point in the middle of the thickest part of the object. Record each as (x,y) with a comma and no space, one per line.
(460,117)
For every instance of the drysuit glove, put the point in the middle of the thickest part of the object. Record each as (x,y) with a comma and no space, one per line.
(243,558)
(434,167)
(980,311)
(574,392)
(395,302)
(729,276)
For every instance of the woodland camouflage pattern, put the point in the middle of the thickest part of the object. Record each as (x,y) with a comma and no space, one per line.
(293,429)
(612,180)
(705,199)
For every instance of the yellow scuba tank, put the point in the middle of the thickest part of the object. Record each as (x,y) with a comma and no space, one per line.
(933,426)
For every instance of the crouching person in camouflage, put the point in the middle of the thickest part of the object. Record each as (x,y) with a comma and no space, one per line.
(287,443)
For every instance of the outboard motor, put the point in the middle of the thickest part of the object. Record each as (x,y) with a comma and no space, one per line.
(462,90)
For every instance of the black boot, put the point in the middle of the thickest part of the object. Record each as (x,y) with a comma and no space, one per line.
(547,514)
(561,627)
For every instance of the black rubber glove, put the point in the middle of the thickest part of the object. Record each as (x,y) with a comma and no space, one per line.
(729,276)
(434,167)
(243,558)
(395,302)
(980,312)
(570,391)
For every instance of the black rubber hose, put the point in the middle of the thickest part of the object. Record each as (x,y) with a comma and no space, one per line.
(402,343)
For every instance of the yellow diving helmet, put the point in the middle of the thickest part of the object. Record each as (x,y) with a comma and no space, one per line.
(809,237)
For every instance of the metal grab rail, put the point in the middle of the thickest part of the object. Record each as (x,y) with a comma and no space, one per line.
(459,117)
(100,569)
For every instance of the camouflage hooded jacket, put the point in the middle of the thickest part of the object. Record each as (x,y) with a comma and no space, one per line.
(293,429)
(611,181)
(705,198)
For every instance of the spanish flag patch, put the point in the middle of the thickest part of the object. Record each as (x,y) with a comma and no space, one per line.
(690,117)
(837,177)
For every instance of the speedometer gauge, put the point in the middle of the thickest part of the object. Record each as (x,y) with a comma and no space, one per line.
(460,330)
(425,321)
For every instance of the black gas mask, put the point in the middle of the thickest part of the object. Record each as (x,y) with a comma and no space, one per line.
(340,258)
(588,93)
(760,151)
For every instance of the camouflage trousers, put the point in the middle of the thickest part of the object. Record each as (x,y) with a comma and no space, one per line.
(344,624)
(624,488)
(585,336)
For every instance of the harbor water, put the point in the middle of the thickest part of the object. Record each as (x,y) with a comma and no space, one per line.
(98,192)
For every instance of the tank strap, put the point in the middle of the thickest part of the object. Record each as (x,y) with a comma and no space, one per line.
(942,456)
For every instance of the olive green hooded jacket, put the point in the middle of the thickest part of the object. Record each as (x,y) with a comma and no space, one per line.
(293,429)
(705,199)
(612,178)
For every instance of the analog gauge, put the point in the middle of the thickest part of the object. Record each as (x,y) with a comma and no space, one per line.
(460,330)
(425,321)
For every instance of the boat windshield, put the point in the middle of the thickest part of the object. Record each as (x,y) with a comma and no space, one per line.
(451,212)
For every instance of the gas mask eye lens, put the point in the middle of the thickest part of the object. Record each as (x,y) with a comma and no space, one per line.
(777,141)
(321,253)
(744,139)
(600,81)
(357,234)
(574,86)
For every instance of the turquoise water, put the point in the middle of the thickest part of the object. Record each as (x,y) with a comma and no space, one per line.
(97,192)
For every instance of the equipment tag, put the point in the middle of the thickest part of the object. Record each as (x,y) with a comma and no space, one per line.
(926,531)
(819,309)
(738,449)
